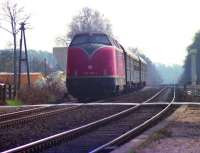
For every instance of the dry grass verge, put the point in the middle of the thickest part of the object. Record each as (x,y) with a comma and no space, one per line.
(41,95)
(157,136)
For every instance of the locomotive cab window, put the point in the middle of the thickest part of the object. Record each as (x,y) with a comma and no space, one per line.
(80,39)
(87,38)
(100,39)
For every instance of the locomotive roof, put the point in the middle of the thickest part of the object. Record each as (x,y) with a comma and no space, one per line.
(142,60)
(133,55)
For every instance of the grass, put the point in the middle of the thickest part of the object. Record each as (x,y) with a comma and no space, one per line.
(160,134)
(13,102)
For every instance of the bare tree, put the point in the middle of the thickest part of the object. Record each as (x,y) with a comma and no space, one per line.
(62,40)
(10,18)
(88,20)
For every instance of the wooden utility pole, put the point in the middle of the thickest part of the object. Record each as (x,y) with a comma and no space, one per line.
(193,53)
(45,67)
(15,66)
(23,58)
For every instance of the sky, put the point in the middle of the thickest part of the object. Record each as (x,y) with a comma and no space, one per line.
(161,29)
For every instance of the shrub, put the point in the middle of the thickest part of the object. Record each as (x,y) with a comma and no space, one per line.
(13,102)
(41,95)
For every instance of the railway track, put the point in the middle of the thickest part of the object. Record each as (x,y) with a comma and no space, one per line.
(109,146)
(76,132)
(126,97)
(38,129)
(164,96)
(17,114)
(10,109)
(29,111)
(25,116)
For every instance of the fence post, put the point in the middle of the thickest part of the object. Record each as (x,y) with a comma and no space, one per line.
(9,91)
(4,93)
(12,92)
(1,92)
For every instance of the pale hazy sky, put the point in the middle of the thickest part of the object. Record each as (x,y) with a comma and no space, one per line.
(161,29)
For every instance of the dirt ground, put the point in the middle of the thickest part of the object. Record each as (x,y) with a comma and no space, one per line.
(181,135)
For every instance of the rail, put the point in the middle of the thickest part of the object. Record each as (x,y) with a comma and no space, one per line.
(73,133)
(23,112)
(134,132)
(42,115)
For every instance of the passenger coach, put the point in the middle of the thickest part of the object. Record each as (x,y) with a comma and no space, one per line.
(98,65)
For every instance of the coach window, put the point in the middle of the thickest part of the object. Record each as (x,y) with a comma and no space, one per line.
(136,66)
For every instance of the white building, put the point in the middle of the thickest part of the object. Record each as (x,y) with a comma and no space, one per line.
(60,54)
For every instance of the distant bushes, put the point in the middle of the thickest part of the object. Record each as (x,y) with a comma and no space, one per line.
(52,90)
(36,95)
(39,61)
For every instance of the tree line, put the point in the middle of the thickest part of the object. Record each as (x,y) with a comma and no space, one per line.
(186,77)
(39,61)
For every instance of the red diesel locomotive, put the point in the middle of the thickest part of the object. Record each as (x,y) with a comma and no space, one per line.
(98,65)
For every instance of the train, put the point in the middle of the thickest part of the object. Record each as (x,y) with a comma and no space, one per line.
(98,65)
